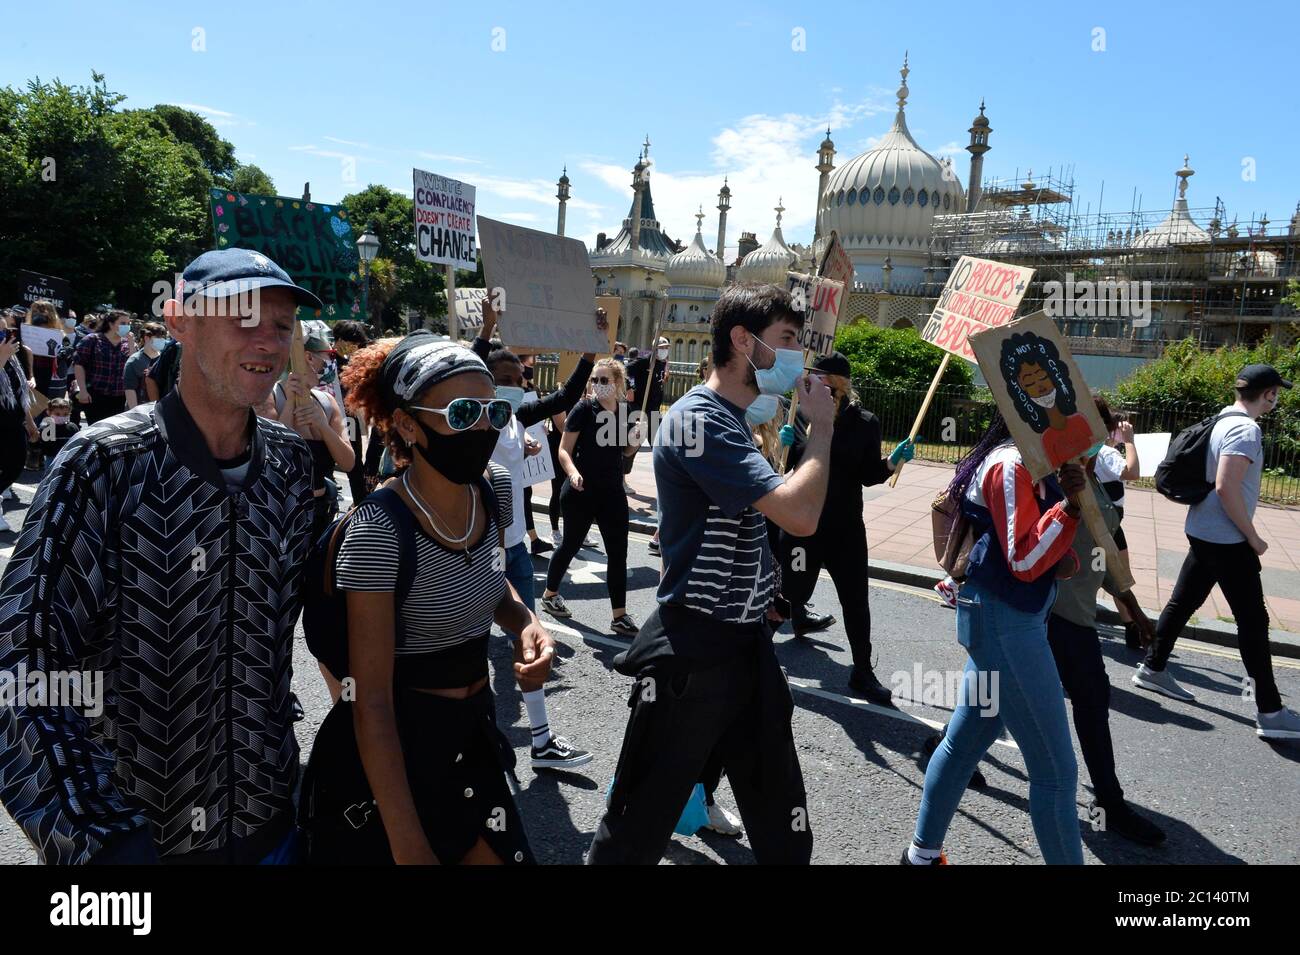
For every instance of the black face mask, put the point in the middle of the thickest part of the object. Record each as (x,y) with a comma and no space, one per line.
(461,457)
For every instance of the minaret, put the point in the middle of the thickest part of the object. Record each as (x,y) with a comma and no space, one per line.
(640,173)
(563,195)
(825,163)
(979,145)
(724,203)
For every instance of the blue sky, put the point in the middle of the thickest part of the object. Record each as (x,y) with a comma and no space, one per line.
(316,91)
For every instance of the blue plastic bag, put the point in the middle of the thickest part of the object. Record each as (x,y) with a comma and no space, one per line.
(694,817)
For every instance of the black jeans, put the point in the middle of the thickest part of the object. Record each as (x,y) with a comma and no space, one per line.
(1077,650)
(607,507)
(357,476)
(844,554)
(685,730)
(1236,569)
(13,451)
(104,406)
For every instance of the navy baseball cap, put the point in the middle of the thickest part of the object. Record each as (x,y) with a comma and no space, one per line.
(1261,376)
(226,272)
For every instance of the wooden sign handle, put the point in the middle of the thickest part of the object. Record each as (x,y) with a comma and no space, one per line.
(925,406)
(298,365)
(1116,562)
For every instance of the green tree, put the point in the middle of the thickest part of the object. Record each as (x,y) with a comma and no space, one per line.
(187,126)
(110,200)
(419,285)
(251,179)
(898,358)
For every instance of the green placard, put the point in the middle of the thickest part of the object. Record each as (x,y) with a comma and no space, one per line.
(312,242)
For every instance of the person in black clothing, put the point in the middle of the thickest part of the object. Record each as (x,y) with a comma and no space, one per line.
(348,337)
(638,371)
(16,425)
(592,455)
(841,539)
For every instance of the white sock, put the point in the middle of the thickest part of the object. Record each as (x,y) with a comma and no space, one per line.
(535,703)
(918,856)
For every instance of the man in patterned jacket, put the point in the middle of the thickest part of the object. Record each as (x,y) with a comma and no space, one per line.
(159,563)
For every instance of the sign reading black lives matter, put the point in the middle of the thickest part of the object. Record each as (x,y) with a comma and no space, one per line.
(314,243)
(444,221)
(33,286)
(550,290)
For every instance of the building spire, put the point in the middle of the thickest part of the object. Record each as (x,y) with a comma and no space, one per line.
(1183,175)
(699,220)
(779,209)
(902,89)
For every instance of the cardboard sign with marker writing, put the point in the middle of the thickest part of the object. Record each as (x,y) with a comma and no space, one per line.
(837,265)
(820,300)
(1040,392)
(979,294)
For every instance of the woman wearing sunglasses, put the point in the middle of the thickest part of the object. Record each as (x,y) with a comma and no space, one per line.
(591,455)
(410,767)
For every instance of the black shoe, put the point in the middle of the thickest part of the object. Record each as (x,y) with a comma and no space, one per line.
(654,545)
(977,780)
(559,753)
(1131,638)
(863,682)
(540,547)
(625,625)
(1122,820)
(806,620)
(941,859)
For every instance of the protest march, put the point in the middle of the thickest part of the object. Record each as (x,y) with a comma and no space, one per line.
(409,518)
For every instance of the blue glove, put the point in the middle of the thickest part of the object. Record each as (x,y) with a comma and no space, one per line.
(905,451)
(787,434)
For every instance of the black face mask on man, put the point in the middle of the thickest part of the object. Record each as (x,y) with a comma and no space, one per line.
(460,457)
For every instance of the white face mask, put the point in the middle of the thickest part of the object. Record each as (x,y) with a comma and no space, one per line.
(70,323)
(1045,401)
(663,354)
(157,344)
(124,330)
(601,392)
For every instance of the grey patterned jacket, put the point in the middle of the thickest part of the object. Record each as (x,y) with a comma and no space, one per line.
(138,566)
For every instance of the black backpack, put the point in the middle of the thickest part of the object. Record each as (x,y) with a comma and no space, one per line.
(1181,475)
(325,607)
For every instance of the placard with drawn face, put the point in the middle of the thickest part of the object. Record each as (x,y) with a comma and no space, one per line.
(1040,392)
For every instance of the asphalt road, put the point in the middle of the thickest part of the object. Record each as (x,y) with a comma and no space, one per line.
(1197,769)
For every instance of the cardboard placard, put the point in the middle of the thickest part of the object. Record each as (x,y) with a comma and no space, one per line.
(313,243)
(979,294)
(837,265)
(444,221)
(550,289)
(539,467)
(34,286)
(1040,391)
(821,299)
(44,342)
(1151,449)
(469,308)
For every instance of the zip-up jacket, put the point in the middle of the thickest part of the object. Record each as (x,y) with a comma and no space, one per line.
(1019,540)
(139,563)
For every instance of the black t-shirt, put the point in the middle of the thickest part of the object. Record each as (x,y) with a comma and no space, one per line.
(598,453)
(637,372)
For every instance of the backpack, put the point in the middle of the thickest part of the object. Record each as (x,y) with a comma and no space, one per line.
(952,535)
(325,607)
(1181,475)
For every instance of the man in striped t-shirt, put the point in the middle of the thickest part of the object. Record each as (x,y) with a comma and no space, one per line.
(709,691)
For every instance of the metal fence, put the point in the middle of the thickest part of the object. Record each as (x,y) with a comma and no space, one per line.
(958,418)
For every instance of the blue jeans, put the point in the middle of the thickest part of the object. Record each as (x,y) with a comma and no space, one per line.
(1012,646)
(519,571)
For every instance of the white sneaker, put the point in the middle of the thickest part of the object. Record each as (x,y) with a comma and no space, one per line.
(723,822)
(1282,724)
(1160,681)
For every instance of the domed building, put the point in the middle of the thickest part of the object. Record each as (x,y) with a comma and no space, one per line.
(1156,252)
(695,280)
(769,263)
(883,202)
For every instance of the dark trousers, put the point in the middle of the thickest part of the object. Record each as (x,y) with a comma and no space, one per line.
(13,452)
(683,732)
(607,507)
(843,552)
(1077,651)
(357,476)
(528,509)
(104,406)
(1236,569)
(553,439)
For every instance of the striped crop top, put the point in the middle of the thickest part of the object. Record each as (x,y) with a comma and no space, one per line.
(448,612)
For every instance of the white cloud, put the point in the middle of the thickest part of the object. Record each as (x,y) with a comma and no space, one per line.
(347,142)
(531,190)
(519,216)
(217,117)
(443,157)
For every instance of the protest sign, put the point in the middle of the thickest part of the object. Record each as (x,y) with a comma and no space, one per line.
(979,294)
(538,467)
(33,286)
(820,300)
(837,265)
(313,243)
(1040,392)
(44,342)
(1151,450)
(469,308)
(1049,410)
(612,305)
(550,290)
(444,221)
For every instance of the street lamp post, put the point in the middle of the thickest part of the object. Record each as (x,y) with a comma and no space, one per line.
(367,248)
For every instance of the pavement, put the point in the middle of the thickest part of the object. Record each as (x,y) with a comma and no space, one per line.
(901,550)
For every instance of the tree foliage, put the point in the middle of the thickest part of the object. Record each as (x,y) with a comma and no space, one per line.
(1188,372)
(898,358)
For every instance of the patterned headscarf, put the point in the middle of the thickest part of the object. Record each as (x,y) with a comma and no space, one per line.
(420,360)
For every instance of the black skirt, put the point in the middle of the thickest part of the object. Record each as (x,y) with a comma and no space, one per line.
(456,766)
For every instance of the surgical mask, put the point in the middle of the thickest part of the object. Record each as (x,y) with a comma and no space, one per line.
(124,330)
(511,394)
(157,344)
(1045,401)
(460,457)
(762,410)
(663,354)
(601,392)
(59,419)
(784,372)
(70,323)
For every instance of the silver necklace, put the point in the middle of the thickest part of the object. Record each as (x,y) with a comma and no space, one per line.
(471,517)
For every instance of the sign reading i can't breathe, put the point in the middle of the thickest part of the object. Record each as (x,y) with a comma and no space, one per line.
(444,221)
(33,286)
(312,242)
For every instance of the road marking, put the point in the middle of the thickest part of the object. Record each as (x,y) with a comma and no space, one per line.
(802,686)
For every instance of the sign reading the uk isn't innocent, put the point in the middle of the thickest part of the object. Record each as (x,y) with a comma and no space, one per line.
(444,221)
(550,290)
(979,294)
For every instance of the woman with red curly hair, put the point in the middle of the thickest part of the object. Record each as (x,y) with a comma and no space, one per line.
(408,767)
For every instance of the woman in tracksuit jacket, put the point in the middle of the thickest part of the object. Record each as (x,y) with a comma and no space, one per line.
(1022,531)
